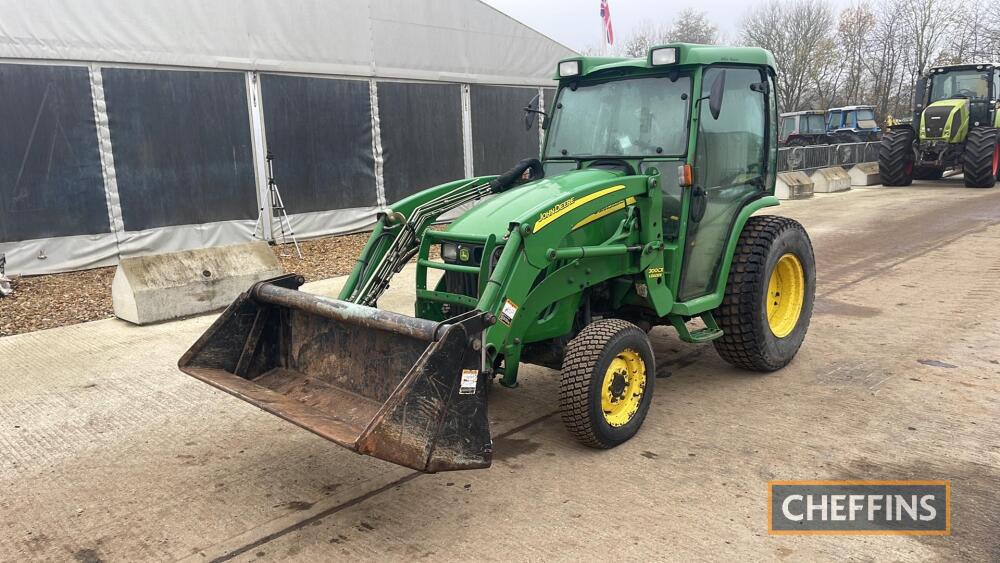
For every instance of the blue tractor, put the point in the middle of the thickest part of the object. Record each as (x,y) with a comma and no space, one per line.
(852,124)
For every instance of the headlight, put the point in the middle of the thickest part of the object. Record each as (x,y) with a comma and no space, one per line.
(569,68)
(663,56)
(449,251)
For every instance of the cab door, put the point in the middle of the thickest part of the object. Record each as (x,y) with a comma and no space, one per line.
(730,170)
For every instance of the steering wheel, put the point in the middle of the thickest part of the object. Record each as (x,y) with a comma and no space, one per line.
(967,93)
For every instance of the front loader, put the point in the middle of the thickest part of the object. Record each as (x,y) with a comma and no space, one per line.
(639,213)
(955,126)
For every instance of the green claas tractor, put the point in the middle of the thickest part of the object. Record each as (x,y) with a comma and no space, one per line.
(639,213)
(955,126)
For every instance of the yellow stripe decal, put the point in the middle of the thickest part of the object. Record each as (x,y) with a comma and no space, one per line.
(557,211)
(605,212)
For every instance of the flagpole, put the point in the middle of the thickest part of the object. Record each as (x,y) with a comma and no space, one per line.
(604,34)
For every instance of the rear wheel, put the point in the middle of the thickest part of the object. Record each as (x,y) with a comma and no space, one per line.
(895,157)
(607,383)
(981,158)
(927,173)
(769,296)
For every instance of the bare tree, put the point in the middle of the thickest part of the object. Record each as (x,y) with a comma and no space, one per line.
(693,26)
(884,60)
(798,33)
(927,23)
(641,38)
(854,29)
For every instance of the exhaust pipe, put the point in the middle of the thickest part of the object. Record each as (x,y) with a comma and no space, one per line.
(399,388)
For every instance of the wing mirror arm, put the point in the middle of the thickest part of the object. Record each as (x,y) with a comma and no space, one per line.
(531,112)
(529,117)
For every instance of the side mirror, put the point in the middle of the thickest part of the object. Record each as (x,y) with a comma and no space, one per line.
(531,112)
(715,95)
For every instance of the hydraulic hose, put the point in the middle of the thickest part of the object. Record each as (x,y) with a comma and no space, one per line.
(510,177)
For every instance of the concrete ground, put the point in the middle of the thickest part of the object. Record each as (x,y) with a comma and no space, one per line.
(108,452)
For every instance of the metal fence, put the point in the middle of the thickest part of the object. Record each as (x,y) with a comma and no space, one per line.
(823,156)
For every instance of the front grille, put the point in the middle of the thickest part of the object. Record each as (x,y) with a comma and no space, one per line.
(461,283)
(935,118)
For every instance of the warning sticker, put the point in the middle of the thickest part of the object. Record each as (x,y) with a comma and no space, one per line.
(470,378)
(507,312)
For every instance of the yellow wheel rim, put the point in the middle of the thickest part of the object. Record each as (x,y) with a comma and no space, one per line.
(622,388)
(786,291)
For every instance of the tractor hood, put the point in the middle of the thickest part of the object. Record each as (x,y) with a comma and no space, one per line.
(945,120)
(494,215)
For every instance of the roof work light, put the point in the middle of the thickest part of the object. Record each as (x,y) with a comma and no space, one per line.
(663,56)
(569,68)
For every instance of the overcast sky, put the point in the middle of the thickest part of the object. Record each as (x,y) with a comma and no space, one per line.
(577,23)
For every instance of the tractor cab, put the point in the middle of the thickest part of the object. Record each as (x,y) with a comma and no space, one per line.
(852,124)
(957,97)
(703,124)
(802,128)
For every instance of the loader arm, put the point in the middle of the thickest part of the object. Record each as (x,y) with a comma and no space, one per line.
(398,232)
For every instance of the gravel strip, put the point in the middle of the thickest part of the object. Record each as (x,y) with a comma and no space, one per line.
(53,300)
(40,302)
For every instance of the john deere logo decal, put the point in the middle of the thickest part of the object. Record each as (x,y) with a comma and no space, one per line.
(463,254)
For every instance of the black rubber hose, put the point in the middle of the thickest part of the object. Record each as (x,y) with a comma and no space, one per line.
(510,177)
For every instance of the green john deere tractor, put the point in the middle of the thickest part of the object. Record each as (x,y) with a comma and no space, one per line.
(639,213)
(955,126)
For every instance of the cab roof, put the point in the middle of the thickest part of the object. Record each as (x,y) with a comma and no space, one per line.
(968,66)
(688,54)
(803,112)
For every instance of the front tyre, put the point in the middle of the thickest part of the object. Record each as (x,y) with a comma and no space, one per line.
(606,384)
(896,158)
(981,158)
(769,296)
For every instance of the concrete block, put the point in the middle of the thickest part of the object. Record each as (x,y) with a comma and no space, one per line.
(834,179)
(160,287)
(793,185)
(864,174)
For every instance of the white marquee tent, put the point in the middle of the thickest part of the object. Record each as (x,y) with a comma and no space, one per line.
(134,127)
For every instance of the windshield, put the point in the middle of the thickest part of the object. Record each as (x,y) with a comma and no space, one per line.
(634,117)
(866,115)
(960,83)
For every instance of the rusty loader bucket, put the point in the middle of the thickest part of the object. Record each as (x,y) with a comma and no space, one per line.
(398,388)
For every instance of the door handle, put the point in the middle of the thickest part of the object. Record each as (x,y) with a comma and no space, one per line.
(699,204)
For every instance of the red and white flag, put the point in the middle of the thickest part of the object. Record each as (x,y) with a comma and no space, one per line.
(609,33)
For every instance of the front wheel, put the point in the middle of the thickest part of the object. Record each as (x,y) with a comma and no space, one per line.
(896,158)
(769,296)
(606,384)
(981,158)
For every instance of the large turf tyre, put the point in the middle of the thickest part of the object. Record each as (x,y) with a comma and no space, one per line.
(895,157)
(927,173)
(606,384)
(769,296)
(981,157)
